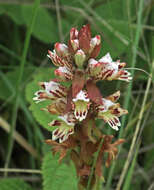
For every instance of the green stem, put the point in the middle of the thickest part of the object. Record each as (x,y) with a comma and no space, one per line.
(127,99)
(22,64)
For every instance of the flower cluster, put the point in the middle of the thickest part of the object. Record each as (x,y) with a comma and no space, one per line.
(79,105)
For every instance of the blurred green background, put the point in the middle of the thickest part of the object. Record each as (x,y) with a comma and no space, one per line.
(27,30)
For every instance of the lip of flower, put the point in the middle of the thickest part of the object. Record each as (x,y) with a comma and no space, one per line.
(110,111)
(81,105)
(65,128)
(53,89)
(106,69)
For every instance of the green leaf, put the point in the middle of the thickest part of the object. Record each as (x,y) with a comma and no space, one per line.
(44,28)
(14,184)
(42,117)
(8,82)
(116,33)
(58,176)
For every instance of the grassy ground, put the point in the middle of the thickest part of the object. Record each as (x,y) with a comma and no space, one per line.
(28,29)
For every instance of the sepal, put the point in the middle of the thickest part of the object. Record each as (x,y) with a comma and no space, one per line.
(80,58)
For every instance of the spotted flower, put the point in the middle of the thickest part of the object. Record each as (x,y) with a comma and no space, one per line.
(81,105)
(106,69)
(78,105)
(110,111)
(65,127)
(52,90)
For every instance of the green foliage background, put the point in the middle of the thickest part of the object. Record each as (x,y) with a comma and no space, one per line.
(27,30)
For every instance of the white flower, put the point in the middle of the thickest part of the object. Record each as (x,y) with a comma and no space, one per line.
(81,105)
(65,127)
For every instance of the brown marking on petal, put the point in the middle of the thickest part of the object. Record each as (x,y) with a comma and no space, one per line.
(105,73)
(121,65)
(116,97)
(84,113)
(109,74)
(61,93)
(55,94)
(80,113)
(56,123)
(70,131)
(116,120)
(125,73)
(41,84)
(110,122)
(124,77)
(56,132)
(62,137)
(116,111)
(93,92)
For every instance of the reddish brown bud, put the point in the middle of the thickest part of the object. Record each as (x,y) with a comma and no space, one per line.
(84,38)
(73,34)
(93,92)
(95,51)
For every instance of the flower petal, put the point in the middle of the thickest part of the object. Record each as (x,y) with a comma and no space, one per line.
(40,96)
(58,107)
(54,89)
(81,105)
(58,61)
(64,73)
(110,111)
(65,127)
(114,97)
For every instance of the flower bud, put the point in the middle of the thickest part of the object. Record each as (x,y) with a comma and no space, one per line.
(84,38)
(80,58)
(61,50)
(75,44)
(73,33)
(95,45)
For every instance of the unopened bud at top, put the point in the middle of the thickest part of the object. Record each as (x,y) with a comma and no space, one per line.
(80,58)
(73,34)
(95,45)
